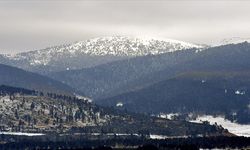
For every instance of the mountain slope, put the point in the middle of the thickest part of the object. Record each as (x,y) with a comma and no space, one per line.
(121,76)
(59,114)
(223,93)
(143,72)
(232,57)
(100,80)
(92,52)
(20,78)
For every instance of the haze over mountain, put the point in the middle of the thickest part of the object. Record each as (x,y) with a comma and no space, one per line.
(233,40)
(92,52)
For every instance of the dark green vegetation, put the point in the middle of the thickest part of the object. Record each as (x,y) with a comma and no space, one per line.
(9,90)
(58,62)
(121,143)
(20,78)
(111,78)
(52,113)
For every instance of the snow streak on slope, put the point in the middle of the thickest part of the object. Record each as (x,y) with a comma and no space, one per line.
(113,46)
(235,128)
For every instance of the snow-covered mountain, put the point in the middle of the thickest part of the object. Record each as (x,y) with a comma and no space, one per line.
(116,46)
(94,52)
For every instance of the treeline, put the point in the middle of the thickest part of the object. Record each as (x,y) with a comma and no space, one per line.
(8,90)
(12,91)
(76,142)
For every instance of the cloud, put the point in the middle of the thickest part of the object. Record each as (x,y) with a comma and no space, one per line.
(29,25)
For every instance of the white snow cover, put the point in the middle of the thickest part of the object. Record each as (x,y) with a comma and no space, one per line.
(22,133)
(169,116)
(114,45)
(238,92)
(155,136)
(87,99)
(119,104)
(235,128)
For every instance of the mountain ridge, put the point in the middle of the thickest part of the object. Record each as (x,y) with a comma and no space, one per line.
(92,52)
(13,76)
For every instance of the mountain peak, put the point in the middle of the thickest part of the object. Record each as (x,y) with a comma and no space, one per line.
(120,46)
(130,46)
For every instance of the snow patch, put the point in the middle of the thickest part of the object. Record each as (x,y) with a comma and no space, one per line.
(22,133)
(119,104)
(87,99)
(169,116)
(239,92)
(159,137)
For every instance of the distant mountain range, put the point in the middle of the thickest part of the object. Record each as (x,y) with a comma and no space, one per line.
(215,81)
(142,75)
(141,81)
(92,52)
(120,76)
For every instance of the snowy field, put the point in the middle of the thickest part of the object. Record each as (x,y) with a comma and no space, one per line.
(235,128)
(21,133)
(160,137)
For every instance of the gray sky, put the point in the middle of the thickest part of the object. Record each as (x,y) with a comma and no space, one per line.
(33,24)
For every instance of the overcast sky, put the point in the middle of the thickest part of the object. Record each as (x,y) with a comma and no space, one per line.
(33,24)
